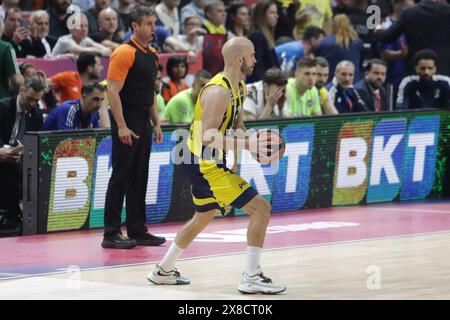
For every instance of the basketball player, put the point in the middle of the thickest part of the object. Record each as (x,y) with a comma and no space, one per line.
(214,186)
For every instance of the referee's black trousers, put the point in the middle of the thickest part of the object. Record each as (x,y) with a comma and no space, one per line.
(129,175)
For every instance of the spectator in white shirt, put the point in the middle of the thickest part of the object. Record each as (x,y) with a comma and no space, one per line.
(266,98)
(192,39)
(77,41)
(167,12)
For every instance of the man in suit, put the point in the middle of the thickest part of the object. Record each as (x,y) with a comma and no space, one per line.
(371,87)
(18,114)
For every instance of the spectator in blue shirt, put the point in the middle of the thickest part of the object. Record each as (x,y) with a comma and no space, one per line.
(290,52)
(78,114)
(426,89)
(345,97)
(344,44)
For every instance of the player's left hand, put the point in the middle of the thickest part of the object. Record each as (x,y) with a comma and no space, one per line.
(158,134)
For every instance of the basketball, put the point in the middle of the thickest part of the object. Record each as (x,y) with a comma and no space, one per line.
(270,146)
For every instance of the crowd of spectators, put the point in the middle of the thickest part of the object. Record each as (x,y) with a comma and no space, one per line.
(314,57)
(369,68)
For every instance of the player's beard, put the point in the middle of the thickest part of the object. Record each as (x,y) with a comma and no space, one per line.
(246,69)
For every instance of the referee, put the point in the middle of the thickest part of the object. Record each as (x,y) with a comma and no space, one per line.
(131,86)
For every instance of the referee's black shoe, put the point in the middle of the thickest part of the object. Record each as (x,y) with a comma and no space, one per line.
(147,239)
(118,241)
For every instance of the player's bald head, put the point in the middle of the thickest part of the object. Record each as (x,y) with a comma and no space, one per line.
(234,47)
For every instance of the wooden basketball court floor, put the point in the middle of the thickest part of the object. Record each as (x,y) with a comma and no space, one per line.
(390,251)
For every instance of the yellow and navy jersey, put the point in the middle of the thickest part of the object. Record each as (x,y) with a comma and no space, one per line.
(230,117)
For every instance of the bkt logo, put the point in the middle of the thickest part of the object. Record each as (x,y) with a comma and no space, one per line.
(376,160)
(371,160)
(287,187)
(384,160)
(80,181)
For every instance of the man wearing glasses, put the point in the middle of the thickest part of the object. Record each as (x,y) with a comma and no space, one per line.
(18,114)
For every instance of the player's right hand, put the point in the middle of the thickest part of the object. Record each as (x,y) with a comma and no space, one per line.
(126,135)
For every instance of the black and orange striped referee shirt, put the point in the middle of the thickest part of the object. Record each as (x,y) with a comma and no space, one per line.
(136,66)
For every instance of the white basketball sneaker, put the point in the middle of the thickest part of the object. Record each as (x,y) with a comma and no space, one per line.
(160,276)
(259,283)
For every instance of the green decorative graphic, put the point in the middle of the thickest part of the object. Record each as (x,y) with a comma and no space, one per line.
(72,162)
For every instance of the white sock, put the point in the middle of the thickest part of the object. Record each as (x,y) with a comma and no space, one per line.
(168,262)
(252,260)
